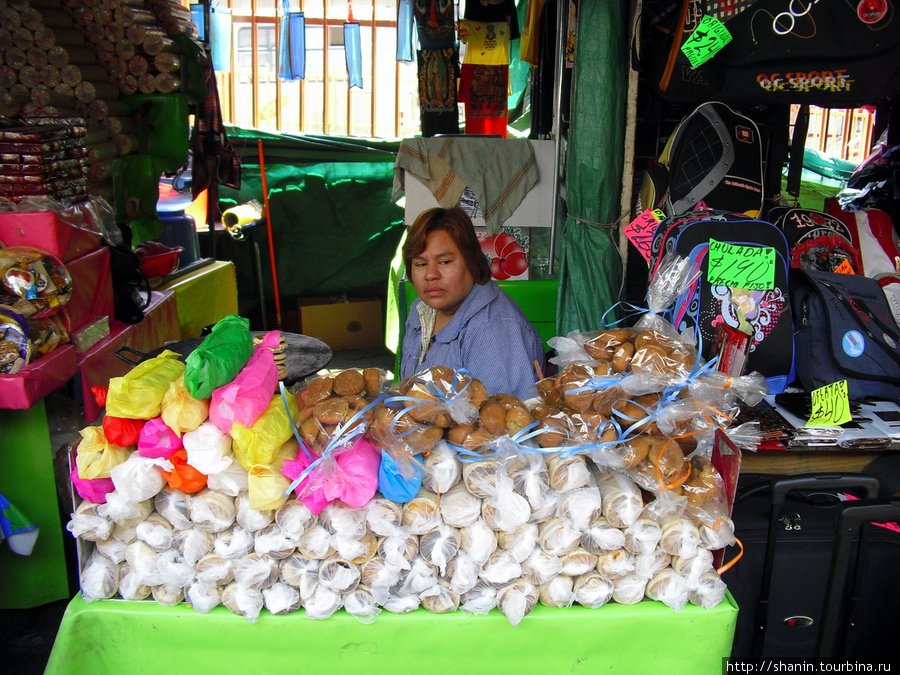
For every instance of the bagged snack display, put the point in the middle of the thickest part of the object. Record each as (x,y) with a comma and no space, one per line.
(33,282)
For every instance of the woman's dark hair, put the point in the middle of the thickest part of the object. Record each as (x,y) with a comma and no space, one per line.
(458,225)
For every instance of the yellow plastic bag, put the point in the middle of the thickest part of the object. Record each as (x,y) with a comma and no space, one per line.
(260,443)
(95,456)
(180,411)
(266,484)
(138,394)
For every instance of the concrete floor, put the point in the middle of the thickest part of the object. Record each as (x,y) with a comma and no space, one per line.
(27,635)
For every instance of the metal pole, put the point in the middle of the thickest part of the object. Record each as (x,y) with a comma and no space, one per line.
(562,22)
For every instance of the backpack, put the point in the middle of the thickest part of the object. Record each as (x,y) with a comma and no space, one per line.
(845,331)
(712,160)
(765,314)
(817,240)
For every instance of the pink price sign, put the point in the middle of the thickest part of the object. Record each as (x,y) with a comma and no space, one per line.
(640,231)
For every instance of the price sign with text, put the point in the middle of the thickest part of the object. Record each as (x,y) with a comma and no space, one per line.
(830,405)
(640,231)
(708,38)
(748,267)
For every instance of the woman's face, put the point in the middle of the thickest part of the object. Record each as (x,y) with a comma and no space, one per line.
(440,274)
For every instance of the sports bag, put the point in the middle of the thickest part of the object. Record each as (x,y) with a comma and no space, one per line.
(765,314)
(845,331)
(817,240)
(713,158)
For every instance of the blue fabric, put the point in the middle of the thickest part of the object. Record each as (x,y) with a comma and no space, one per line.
(353,54)
(292,45)
(395,486)
(220,38)
(489,335)
(405,33)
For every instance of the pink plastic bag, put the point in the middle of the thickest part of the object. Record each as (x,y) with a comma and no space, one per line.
(93,490)
(246,397)
(348,474)
(157,440)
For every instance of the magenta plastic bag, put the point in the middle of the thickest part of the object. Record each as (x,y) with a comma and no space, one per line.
(157,440)
(246,397)
(348,474)
(92,490)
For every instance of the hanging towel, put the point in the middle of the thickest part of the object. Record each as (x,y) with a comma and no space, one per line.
(500,172)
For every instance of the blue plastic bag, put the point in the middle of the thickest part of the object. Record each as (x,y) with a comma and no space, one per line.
(399,481)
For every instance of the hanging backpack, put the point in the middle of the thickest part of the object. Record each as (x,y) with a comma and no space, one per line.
(765,314)
(817,240)
(712,160)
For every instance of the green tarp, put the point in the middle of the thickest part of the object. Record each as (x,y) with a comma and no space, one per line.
(590,268)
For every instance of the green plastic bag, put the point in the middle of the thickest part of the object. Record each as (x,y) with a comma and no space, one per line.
(220,357)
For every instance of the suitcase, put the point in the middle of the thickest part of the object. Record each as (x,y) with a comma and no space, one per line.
(786,525)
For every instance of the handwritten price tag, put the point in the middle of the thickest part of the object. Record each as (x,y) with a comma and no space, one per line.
(844,268)
(640,231)
(830,405)
(748,267)
(706,41)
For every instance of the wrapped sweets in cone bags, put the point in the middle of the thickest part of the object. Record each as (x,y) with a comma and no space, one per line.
(499,503)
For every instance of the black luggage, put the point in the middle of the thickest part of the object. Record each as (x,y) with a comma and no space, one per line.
(787,527)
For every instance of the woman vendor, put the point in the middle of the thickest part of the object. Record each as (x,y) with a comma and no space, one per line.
(462,318)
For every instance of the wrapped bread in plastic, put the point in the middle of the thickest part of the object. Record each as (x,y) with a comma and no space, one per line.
(615,564)
(440,598)
(272,542)
(420,576)
(649,564)
(568,473)
(167,596)
(193,545)
(621,499)
(130,586)
(243,601)
(462,572)
(322,603)
(399,550)
(344,520)
(480,600)
(540,568)
(156,532)
(316,543)
(592,590)
(401,603)
(530,477)
(173,505)
(175,572)
(694,567)
(233,543)
(578,562)
(478,540)
(459,507)
(122,511)
(212,511)
(680,537)
(254,571)
(600,537)
(279,598)
(558,592)
(709,590)
(362,604)
(139,478)
(642,535)
(338,575)
(422,513)
(376,573)
(718,534)
(480,477)
(440,546)
(504,510)
(545,508)
(558,536)
(203,597)
(99,578)
(300,572)
(516,600)
(86,523)
(628,589)
(213,569)
(249,518)
(521,542)
(580,506)
(111,548)
(357,551)
(668,587)
(230,481)
(383,516)
(293,517)
(443,469)
(500,569)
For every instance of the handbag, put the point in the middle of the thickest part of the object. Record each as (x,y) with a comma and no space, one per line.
(845,331)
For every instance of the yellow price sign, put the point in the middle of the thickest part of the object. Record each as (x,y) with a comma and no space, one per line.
(830,405)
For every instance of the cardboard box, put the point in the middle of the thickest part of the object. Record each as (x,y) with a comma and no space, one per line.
(46,231)
(37,379)
(92,289)
(356,323)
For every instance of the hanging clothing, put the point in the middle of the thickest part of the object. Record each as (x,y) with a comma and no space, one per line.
(436,23)
(438,71)
(484,76)
(493,11)
(531,33)
(543,75)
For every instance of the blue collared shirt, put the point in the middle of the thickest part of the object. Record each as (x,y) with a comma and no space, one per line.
(488,335)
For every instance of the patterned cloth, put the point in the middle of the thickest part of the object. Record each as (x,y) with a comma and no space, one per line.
(489,335)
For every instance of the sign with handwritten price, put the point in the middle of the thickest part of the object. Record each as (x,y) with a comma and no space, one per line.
(830,405)
(708,38)
(749,267)
(640,231)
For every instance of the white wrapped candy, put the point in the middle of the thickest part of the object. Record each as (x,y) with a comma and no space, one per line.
(316,543)
(377,573)
(87,524)
(578,562)
(130,586)
(293,517)
(168,597)
(343,520)
(670,588)
(111,548)
(272,542)
(642,536)
(399,550)
(580,507)
(520,543)
(401,603)
(568,473)
(558,536)
(629,589)
(122,511)
(440,546)
(462,573)
(231,482)
(650,564)
(540,568)
(143,563)
(709,590)
(680,537)
(193,544)
(500,569)
(614,564)
(621,499)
